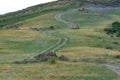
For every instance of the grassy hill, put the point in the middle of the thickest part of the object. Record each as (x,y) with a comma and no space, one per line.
(8,20)
(27,32)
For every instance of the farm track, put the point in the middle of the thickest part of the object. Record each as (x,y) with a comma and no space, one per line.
(69,24)
(65,40)
(115,69)
(61,41)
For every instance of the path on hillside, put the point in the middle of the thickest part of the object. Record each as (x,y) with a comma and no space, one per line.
(114,68)
(60,43)
(65,40)
(58,17)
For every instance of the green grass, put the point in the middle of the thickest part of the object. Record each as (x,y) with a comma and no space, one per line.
(89,41)
(91,33)
(44,21)
(14,20)
(28,43)
(86,18)
(115,12)
(66,71)
(21,44)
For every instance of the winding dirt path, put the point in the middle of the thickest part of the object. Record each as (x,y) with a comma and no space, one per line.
(69,24)
(65,40)
(52,47)
(115,69)
(61,41)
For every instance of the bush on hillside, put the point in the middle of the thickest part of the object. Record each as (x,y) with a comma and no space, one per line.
(52,27)
(109,47)
(117,56)
(52,60)
(114,29)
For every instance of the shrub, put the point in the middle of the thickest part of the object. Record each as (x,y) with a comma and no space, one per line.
(109,47)
(115,42)
(114,29)
(52,60)
(116,24)
(52,27)
(118,35)
(117,56)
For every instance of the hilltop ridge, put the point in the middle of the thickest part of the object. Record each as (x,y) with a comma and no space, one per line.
(7,20)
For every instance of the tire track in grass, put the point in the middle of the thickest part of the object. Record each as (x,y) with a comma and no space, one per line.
(61,41)
(50,48)
(61,45)
(115,69)
(69,24)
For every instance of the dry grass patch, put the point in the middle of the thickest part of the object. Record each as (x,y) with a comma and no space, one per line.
(80,52)
(42,21)
(58,71)
(19,35)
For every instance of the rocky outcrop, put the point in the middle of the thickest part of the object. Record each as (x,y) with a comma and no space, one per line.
(43,58)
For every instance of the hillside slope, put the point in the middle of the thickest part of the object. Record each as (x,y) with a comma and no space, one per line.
(10,20)
(52,27)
